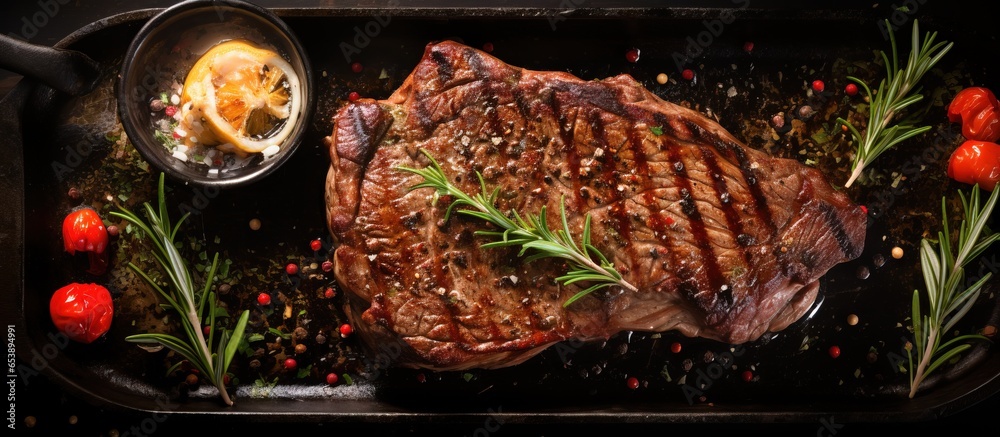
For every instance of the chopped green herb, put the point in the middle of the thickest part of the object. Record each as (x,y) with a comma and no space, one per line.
(656,130)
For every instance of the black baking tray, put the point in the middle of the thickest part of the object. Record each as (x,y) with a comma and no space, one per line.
(793,383)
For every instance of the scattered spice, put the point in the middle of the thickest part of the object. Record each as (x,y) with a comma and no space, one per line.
(632,382)
(316,245)
(834,351)
(329,293)
(897,252)
(290,364)
(863,272)
(254,224)
(675,348)
(662,78)
(357,67)
(346,330)
(747,375)
(353,96)
(852,319)
(778,121)
(292,269)
(488,47)
(331,378)
(264,299)
(327,266)
(989,330)
(748,46)
(632,55)
(687,74)
(851,90)
(818,86)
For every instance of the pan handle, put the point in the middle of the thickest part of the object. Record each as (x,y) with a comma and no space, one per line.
(64,70)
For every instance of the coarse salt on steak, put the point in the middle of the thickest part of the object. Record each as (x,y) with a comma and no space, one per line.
(722,241)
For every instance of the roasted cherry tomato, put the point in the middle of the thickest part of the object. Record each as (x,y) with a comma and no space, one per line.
(978,111)
(976,162)
(83,231)
(82,311)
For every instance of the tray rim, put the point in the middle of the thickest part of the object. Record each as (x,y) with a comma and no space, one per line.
(929,406)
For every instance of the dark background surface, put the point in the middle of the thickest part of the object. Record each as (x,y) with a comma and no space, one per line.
(60,413)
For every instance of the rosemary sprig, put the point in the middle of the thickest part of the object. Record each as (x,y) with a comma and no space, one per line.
(944,274)
(892,96)
(196,308)
(531,232)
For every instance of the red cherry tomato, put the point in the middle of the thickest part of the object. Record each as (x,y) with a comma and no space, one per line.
(82,311)
(976,162)
(83,231)
(978,111)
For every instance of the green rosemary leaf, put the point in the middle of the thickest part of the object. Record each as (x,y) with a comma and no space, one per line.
(173,343)
(893,96)
(531,232)
(943,273)
(181,294)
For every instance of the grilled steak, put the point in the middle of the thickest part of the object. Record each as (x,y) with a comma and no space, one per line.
(723,241)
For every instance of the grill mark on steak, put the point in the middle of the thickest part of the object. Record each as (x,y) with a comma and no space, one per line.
(738,155)
(705,254)
(837,226)
(616,203)
(444,69)
(735,225)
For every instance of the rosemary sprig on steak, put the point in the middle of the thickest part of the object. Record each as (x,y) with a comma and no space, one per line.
(197,309)
(944,276)
(892,96)
(587,264)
